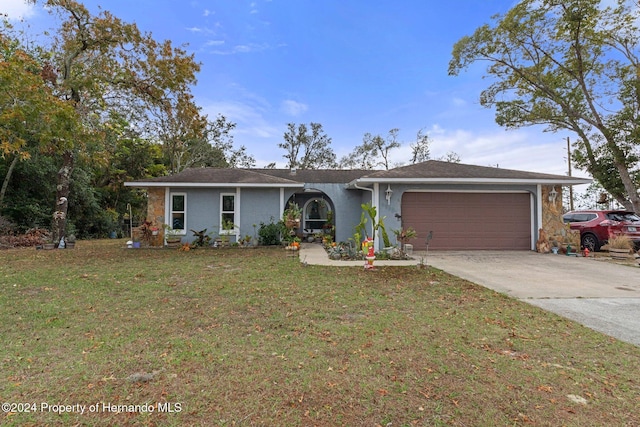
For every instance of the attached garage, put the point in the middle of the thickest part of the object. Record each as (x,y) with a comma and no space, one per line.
(473,221)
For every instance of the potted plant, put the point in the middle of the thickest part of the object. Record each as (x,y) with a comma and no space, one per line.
(291,216)
(403,236)
(172,237)
(71,241)
(228,228)
(49,244)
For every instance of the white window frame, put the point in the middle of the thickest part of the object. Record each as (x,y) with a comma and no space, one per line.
(183,212)
(307,219)
(234,212)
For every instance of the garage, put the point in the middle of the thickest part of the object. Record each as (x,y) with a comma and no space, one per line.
(461,221)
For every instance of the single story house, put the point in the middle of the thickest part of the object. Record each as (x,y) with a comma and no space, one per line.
(461,206)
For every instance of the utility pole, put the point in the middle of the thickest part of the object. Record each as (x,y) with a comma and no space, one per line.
(569,163)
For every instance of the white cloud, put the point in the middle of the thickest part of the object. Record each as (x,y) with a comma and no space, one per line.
(293,108)
(250,120)
(254,125)
(17,9)
(520,149)
(241,48)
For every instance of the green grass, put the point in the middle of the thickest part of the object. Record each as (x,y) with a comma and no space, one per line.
(252,337)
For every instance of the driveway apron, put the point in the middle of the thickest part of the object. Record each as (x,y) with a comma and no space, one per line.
(600,295)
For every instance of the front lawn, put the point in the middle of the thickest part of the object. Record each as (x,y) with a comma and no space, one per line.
(252,337)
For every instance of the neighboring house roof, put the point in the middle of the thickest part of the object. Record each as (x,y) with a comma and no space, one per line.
(429,172)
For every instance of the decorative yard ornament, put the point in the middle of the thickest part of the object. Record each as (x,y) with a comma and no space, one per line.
(429,237)
(370,256)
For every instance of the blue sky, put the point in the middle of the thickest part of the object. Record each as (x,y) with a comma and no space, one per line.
(353,66)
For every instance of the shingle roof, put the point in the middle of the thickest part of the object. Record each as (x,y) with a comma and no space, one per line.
(220,176)
(440,170)
(336,176)
(425,172)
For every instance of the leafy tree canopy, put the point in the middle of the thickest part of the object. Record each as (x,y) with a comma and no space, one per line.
(307,147)
(373,152)
(569,65)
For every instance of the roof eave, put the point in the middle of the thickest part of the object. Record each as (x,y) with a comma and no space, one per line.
(212,184)
(491,181)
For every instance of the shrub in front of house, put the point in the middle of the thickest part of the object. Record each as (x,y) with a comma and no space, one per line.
(271,233)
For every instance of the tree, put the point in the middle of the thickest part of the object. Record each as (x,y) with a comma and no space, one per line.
(373,152)
(306,150)
(570,66)
(105,64)
(32,118)
(420,150)
(181,129)
(451,157)
(189,139)
(220,138)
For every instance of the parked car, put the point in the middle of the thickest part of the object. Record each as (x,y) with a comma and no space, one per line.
(595,226)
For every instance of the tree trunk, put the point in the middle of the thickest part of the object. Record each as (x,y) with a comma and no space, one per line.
(633,201)
(62,196)
(7,178)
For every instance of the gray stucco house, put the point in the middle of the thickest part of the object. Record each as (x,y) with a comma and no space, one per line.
(465,206)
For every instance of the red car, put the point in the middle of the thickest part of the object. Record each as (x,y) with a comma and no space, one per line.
(596,226)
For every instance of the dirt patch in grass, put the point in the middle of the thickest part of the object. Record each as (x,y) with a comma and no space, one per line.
(252,337)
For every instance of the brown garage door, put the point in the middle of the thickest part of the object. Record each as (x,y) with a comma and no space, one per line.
(462,221)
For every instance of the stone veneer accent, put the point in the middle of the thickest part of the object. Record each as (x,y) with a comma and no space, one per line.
(556,230)
(155,212)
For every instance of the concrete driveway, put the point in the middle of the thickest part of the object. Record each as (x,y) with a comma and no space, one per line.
(598,294)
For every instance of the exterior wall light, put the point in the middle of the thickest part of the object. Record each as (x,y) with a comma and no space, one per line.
(553,194)
(387,194)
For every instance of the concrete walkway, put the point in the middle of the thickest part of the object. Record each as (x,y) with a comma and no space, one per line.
(600,295)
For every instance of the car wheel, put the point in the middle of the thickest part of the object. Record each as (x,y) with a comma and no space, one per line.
(590,241)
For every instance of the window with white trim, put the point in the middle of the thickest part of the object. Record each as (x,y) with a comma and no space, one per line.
(227,213)
(179,212)
(316,214)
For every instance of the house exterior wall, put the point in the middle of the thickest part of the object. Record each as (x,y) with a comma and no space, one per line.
(155,211)
(258,206)
(557,232)
(252,206)
(262,205)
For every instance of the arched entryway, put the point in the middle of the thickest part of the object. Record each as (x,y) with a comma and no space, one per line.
(317,215)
